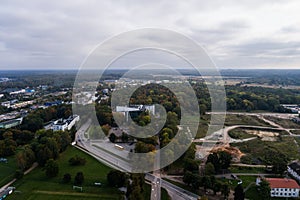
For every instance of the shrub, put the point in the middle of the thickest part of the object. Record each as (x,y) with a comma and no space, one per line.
(75,161)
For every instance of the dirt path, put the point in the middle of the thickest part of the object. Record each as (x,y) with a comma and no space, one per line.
(69,193)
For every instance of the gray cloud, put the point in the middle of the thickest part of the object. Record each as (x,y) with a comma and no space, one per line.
(55,34)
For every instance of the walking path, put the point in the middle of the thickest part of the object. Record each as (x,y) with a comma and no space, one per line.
(34,165)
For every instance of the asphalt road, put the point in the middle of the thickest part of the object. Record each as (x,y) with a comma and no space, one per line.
(115,162)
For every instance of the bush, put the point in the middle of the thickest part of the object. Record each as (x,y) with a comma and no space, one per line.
(247,159)
(76,161)
(79,178)
(66,178)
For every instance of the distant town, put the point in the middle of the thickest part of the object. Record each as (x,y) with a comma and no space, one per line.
(255,155)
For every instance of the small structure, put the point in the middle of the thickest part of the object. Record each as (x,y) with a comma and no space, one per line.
(282,187)
(77,188)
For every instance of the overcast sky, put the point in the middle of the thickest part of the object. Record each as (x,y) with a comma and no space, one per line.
(236,34)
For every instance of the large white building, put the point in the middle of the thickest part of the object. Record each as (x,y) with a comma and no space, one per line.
(65,124)
(282,187)
(135,108)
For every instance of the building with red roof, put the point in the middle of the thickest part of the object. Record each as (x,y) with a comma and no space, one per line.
(282,187)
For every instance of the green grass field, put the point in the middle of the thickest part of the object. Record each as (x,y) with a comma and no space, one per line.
(38,187)
(235,169)
(244,120)
(239,133)
(7,170)
(258,147)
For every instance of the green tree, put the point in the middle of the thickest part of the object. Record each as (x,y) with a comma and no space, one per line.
(135,191)
(10,147)
(224,159)
(225,190)
(51,168)
(116,178)
(220,160)
(209,169)
(112,137)
(66,178)
(79,178)
(191,165)
(217,187)
(32,122)
(239,193)
(264,190)
(206,182)
(43,155)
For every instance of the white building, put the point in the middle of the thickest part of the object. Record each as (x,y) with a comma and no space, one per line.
(135,108)
(282,187)
(65,124)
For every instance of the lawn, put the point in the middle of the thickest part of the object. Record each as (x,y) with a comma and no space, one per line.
(285,123)
(239,133)
(244,120)
(38,187)
(237,119)
(236,169)
(7,170)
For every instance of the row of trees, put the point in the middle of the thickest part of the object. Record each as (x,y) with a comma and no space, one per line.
(10,139)
(46,146)
(217,161)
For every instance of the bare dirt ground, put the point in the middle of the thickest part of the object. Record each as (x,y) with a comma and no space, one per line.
(233,151)
(264,135)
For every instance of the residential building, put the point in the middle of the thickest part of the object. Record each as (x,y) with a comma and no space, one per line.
(282,187)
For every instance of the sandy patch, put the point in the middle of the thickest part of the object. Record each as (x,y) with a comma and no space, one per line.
(264,135)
